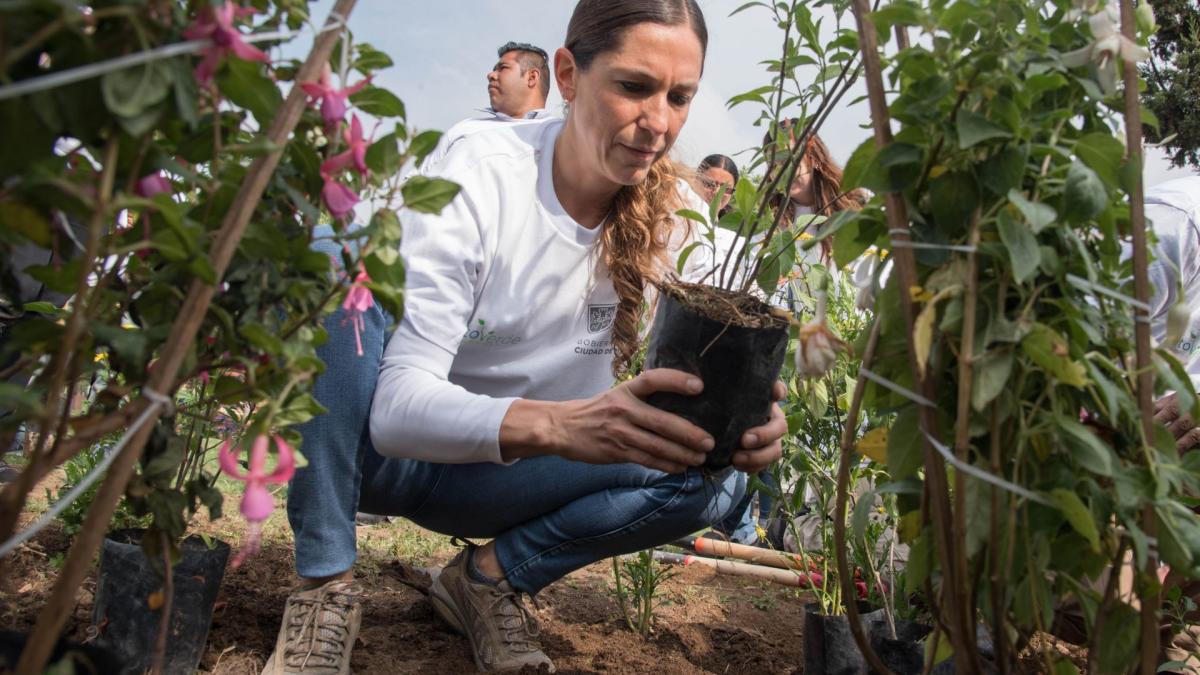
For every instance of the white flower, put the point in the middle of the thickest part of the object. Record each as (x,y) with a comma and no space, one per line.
(1107,43)
(819,347)
(863,278)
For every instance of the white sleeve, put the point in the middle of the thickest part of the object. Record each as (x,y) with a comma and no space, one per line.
(417,412)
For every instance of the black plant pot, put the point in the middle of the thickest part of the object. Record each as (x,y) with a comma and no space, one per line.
(84,659)
(829,646)
(126,580)
(738,366)
(905,654)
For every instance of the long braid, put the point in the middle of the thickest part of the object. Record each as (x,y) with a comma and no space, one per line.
(633,246)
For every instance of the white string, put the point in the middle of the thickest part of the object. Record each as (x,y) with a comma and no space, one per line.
(1102,290)
(888,384)
(908,243)
(157,401)
(984,475)
(100,68)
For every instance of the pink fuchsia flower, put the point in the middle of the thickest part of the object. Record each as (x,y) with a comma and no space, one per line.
(355,154)
(152,184)
(216,25)
(333,102)
(819,347)
(257,502)
(339,199)
(357,302)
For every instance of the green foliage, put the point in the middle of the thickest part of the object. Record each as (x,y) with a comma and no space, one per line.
(636,582)
(254,361)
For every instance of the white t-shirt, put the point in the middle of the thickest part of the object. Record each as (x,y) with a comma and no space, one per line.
(1173,211)
(490,119)
(505,299)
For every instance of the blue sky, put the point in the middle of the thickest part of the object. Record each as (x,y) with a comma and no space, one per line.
(443,49)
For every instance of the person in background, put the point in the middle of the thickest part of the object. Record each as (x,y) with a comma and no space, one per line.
(715,172)
(518,86)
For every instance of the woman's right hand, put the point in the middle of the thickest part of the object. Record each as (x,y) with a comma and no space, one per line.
(613,427)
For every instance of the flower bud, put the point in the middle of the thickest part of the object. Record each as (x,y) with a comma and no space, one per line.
(818,349)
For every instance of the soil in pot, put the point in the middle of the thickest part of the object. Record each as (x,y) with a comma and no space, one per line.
(84,659)
(735,344)
(829,646)
(122,613)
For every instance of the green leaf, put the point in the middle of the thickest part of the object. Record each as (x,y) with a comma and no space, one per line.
(1078,515)
(684,255)
(1049,350)
(379,102)
(953,196)
(974,128)
(299,410)
(992,371)
(26,221)
(260,337)
(244,84)
(383,157)
(1021,244)
(692,215)
(1104,154)
(423,144)
(128,344)
(428,195)
(130,92)
(1087,448)
(1004,170)
(904,445)
(861,165)
(1084,197)
(1037,214)
(1118,640)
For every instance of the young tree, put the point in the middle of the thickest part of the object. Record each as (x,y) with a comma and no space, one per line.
(1173,80)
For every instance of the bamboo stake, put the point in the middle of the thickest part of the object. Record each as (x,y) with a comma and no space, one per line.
(183,334)
(936,487)
(740,569)
(1150,596)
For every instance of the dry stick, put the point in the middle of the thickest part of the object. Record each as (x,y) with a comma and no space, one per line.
(839,511)
(1110,588)
(183,334)
(1150,595)
(936,488)
(962,435)
(164,623)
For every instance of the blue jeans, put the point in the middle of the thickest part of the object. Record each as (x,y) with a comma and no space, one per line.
(548,515)
(739,524)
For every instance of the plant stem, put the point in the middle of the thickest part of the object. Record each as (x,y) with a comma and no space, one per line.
(962,425)
(966,655)
(164,623)
(183,334)
(845,577)
(1151,597)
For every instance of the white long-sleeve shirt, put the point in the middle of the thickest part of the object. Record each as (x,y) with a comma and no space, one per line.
(1173,211)
(505,299)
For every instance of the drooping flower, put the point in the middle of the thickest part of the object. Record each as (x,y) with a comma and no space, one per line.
(339,199)
(257,502)
(819,347)
(357,302)
(355,154)
(216,25)
(152,184)
(1107,43)
(333,102)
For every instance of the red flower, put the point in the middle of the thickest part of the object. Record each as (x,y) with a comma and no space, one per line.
(216,25)
(333,102)
(338,198)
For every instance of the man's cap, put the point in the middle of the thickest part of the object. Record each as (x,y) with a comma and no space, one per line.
(521,47)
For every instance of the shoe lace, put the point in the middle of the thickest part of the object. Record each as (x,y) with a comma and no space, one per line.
(320,625)
(522,636)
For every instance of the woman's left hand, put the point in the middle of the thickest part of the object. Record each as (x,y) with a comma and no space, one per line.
(763,446)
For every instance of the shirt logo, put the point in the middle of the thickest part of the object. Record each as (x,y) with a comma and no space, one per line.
(600,317)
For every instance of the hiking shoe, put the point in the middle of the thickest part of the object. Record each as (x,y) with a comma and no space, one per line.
(502,631)
(319,628)
(8,472)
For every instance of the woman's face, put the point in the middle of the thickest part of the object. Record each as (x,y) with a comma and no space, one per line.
(801,190)
(627,108)
(713,178)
